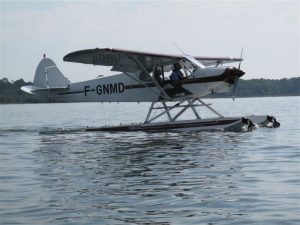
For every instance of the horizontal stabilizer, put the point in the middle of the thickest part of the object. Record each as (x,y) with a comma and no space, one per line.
(32,89)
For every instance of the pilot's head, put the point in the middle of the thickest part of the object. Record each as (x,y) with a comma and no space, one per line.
(177,66)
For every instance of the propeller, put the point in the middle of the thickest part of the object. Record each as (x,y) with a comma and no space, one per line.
(241,57)
(236,78)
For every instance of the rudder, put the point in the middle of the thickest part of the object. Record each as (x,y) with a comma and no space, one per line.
(47,75)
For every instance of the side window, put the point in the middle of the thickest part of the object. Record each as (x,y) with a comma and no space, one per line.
(144,77)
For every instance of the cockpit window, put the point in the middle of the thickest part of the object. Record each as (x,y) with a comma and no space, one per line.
(143,76)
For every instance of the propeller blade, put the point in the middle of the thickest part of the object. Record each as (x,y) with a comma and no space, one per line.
(241,57)
(236,80)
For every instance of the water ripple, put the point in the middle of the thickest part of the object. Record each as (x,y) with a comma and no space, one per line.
(51,174)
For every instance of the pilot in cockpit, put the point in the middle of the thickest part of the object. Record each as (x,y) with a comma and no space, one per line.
(157,75)
(177,74)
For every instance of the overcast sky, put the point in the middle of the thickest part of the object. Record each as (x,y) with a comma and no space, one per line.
(269,31)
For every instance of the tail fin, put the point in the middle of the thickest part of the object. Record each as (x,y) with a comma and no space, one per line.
(47,75)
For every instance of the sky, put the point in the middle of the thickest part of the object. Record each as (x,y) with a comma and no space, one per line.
(269,31)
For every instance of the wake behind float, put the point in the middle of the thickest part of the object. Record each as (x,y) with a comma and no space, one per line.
(144,77)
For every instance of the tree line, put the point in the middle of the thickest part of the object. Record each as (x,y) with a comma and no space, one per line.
(265,88)
(10,91)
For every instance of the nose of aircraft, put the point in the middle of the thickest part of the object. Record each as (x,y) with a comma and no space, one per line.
(236,72)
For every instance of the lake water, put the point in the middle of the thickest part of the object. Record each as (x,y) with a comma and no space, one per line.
(51,171)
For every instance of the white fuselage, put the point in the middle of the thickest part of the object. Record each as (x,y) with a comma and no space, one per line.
(123,88)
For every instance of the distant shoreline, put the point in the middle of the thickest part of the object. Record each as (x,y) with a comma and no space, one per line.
(10,92)
(206,97)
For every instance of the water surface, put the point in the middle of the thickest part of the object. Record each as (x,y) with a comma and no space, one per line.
(51,171)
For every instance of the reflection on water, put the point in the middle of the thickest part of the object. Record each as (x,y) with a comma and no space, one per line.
(142,177)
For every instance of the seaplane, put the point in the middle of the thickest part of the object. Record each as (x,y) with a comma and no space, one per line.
(172,84)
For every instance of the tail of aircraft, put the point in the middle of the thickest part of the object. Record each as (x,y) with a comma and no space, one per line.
(47,77)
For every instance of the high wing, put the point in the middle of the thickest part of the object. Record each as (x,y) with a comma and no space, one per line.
(131,61)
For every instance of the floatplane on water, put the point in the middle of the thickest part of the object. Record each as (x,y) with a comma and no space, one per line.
(145,77)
